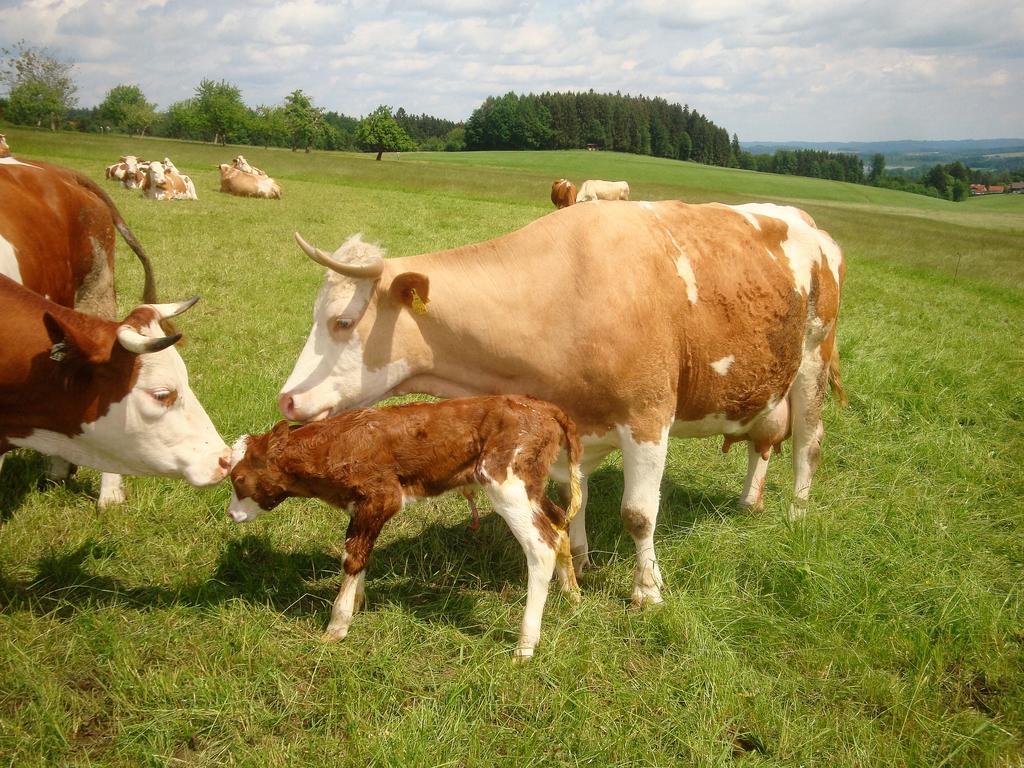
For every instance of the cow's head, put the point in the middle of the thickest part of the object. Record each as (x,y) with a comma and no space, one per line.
(348,360)
(254,489)
(147,420)
(157,176)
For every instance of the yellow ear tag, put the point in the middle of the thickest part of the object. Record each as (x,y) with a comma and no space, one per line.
(419,306)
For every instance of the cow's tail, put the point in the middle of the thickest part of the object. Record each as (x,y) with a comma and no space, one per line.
(149,287)
(574,450)
(835,380)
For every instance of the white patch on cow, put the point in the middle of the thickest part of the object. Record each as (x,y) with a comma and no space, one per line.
(722,366)
(140,436)
(803,245)
(265,186)
(243,510)
(684,267)
(646,206)
(752,220)
(15,161)
(238,450)
(330,374)
(9,261)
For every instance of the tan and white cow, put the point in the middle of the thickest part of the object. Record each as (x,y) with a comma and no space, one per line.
(57,236)
(641,320)
(5,150)
(163,184)
(593,189)
(110,395)
(237,182)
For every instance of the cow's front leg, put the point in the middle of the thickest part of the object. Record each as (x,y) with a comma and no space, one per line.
(368,518)
(643,464)
(111,490)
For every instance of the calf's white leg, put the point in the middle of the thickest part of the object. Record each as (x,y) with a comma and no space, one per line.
(348,601)
(111,490)
(510,500)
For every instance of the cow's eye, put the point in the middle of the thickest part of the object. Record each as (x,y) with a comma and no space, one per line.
(342,323)
(164,396)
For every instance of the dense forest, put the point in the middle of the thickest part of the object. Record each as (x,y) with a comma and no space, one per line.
(636,124)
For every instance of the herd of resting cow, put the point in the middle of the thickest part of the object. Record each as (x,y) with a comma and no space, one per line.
(607,325)
(161,180)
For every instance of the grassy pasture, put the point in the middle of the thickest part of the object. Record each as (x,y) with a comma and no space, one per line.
(886,629)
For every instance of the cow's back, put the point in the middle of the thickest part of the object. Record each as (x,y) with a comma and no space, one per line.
(63,234)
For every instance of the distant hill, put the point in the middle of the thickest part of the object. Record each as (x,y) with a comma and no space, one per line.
(994,154)
(903,146)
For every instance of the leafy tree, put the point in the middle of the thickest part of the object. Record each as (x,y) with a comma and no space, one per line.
(40,87)
(125,107)
(305,121)
(221,110)
(379,132)
(183,120)
(877,167)
(270,126)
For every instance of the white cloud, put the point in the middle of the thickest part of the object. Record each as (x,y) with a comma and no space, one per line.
(765,69)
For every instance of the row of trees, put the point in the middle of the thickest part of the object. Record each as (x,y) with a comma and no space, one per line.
(813,163)
(636,124)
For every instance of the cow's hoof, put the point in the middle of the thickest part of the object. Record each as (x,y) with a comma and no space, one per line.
(522,655)
(751,507)
(642,598)
(797,510)
(111,499)
(334,635)
(574,595)
(581,563)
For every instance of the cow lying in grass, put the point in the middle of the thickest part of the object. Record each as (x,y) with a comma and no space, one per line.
(374,460)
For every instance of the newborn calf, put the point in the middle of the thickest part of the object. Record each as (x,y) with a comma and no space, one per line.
(374,460)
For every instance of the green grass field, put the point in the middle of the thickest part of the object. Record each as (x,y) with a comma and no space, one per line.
(884,630)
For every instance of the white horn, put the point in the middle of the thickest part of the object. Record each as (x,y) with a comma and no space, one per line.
(369,271)
(135,342)
(174,308)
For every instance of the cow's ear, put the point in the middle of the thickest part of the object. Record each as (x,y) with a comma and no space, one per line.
(411,289)
(278,440)
(72,340)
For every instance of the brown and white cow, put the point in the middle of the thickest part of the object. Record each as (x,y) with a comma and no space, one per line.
(594,189)
(236,182)
(163,184)
(106,394)
(57,237)
(563,193)
(5,150)
(374,461)
(640,320)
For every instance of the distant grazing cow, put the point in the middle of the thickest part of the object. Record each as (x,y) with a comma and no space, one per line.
(377,460)
(594,189)
(639,320)
(108,395)
(563,193)
(57,237)
(237,182)
(243,165)
(162,184)
(5,150)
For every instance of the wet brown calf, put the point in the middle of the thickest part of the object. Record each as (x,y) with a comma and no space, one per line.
(374,460)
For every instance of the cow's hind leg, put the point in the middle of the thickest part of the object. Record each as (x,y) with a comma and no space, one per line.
(806,400)
(592,457)
(753,488)
(643,464)
(538,538)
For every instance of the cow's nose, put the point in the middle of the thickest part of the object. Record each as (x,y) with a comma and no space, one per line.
(286,404)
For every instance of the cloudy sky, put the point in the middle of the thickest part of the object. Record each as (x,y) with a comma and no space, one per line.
(820,70)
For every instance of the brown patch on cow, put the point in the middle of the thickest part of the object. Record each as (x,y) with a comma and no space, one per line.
(636,522)
(59,369)
(548,533)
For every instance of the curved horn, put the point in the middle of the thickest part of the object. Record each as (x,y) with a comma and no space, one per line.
(369,271)
(174,308)
(135,342)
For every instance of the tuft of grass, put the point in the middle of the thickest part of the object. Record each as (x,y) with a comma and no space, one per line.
(885,629)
